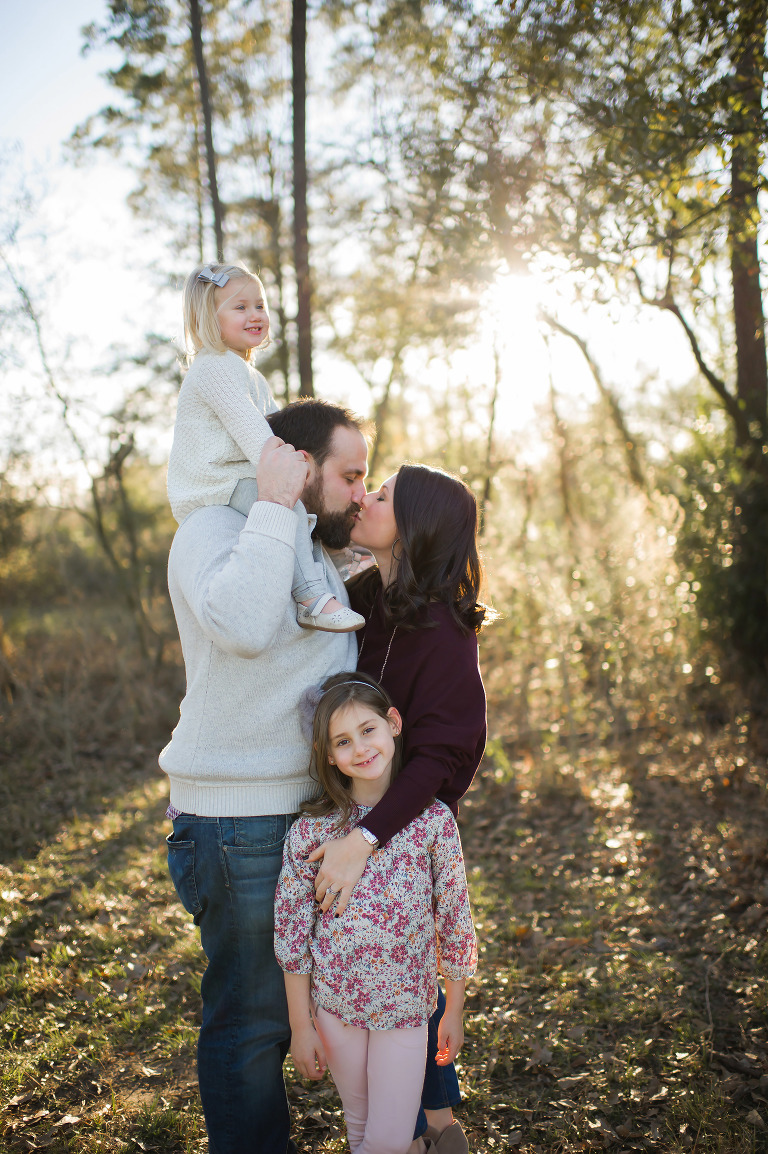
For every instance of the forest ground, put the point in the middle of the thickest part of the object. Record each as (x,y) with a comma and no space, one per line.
(621,901)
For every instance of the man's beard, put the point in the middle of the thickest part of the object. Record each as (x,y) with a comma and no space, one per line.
(333,529)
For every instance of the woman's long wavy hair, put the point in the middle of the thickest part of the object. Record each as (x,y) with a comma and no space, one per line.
(436,550)
(338,692)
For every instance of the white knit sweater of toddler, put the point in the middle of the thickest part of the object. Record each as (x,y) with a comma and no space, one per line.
(219,433)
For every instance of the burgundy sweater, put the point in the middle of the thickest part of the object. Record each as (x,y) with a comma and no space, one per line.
(433,677)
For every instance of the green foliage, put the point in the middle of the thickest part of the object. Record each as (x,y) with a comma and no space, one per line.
(13,509)
(55,556)
(724,526)
(157,116)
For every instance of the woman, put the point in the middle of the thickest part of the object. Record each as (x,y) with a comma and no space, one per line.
(422,616)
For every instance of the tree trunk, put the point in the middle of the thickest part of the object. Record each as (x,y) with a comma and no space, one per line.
(749,572)
(276,249)
(196,30)
(489,463)
(300,219)
(199,193)
(746,132)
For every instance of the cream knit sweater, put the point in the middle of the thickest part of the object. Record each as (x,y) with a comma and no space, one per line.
(238,749)
(219,433)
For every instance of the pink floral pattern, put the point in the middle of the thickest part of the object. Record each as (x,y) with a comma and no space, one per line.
(408,917)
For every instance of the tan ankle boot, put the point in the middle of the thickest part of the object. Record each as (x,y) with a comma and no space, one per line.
(451,1141)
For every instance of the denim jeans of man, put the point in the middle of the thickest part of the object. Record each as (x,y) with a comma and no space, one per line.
(225,871)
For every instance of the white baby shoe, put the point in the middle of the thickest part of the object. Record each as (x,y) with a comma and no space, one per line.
(341,621)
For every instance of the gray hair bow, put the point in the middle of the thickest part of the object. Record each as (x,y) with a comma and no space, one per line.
(217,278)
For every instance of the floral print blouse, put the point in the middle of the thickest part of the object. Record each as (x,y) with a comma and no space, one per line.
(408,917)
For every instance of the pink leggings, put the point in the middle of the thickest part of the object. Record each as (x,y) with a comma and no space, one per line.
(379,1075)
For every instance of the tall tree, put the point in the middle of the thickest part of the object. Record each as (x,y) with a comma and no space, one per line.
(623,140)
(167,98)
(196,31)
(660,175)
(300,215)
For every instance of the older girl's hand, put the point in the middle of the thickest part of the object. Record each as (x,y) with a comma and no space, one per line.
(307,1052)
(343,862)
(450,1036)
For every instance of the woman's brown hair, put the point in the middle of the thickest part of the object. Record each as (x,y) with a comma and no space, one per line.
(436,551)
(338,692)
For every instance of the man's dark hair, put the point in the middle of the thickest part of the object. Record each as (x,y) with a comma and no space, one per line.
(309,425)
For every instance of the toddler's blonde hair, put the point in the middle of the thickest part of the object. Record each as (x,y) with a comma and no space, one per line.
(201,325)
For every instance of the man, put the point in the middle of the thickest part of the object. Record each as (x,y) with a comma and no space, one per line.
(237,760)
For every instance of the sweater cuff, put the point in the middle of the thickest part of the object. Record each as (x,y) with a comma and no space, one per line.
(272,520)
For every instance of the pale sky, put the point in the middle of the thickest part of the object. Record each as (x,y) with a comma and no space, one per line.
(101,290)
(46,86)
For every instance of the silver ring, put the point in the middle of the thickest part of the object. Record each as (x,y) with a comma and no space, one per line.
(331,890)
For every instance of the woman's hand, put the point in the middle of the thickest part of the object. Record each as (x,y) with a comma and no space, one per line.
(343,862)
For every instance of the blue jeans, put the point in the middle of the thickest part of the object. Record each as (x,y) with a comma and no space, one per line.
(225,871)
(441,1083)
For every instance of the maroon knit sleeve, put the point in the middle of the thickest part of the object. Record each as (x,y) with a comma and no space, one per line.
(444,726)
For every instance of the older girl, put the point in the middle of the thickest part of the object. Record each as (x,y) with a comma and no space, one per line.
(361,987)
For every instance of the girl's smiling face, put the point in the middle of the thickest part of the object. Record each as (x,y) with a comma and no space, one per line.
(242,315)
(375,526)
(361,744)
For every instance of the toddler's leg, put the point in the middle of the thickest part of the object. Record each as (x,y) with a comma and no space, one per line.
(317,607)
(309,580)
(395,1074)
(346,1048)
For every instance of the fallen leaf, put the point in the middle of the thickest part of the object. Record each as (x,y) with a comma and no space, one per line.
(540,1057)
(36,1116)
(602,1126)
(68,1120)
(755,1119)
(20,1099)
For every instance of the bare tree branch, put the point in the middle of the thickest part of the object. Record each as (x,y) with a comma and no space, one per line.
(628,442)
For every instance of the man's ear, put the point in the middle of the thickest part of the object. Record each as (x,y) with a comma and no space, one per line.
(312,474)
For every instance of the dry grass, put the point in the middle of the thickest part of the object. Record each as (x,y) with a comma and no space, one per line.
(620,900)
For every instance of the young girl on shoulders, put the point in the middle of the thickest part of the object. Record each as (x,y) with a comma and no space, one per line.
(361,987)
(221,425)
